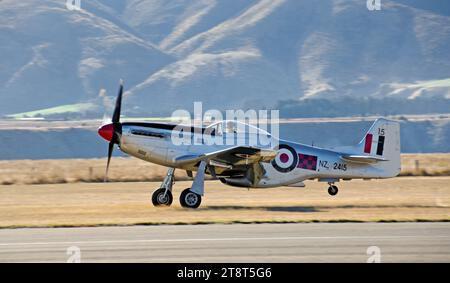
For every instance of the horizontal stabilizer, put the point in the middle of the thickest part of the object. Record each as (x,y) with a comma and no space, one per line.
(362,158)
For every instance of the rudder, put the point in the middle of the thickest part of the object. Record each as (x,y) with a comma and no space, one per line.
(383,141)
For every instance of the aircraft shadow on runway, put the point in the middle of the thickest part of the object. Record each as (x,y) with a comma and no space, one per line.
(266,208)
(306,208)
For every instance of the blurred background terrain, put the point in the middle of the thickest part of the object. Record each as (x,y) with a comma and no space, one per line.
(331,67)
(309,59)
(298,56)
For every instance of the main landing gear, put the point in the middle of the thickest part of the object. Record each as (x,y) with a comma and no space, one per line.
(189,198)
(163,195)
(332,189)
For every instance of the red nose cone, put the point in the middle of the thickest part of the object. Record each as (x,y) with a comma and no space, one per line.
(106,131)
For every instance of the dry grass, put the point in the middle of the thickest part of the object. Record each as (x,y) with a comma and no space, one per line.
(80,170)
(135,170)
(436,164)
(398,199)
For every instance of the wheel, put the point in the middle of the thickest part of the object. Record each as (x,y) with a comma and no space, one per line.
(190,199)
(333,190)
(159,199)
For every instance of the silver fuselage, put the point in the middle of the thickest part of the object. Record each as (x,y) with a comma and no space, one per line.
(153,142)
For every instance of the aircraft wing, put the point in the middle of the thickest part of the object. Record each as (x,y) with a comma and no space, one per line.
(239,155)
(362,158)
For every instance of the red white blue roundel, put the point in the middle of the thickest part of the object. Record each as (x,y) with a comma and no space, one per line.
(286,159)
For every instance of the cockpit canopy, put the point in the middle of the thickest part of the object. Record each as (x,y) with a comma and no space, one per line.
(235,127)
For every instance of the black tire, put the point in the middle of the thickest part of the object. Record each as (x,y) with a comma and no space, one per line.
(158,198)
(190,199)
(333,190)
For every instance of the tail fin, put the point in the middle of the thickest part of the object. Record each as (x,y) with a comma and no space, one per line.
(383,141)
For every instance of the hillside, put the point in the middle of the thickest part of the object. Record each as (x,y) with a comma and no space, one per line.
(227,54)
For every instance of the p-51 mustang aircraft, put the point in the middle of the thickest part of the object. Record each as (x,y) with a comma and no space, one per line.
(288,164)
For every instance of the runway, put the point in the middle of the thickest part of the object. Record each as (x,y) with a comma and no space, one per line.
(312,242)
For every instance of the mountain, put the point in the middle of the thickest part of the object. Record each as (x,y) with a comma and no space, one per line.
(53,56)
(227,54)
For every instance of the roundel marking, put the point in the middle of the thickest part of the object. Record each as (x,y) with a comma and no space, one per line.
(286,159)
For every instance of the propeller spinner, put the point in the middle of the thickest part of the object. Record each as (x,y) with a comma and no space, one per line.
(113,131)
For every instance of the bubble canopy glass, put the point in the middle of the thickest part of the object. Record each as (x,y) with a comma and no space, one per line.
(235,127)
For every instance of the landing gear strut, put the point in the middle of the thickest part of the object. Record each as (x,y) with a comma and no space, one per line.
(163,195)
(192,197)
(189,198)
(332,189)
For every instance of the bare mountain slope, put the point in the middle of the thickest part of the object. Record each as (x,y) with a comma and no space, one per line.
(227,54)
(53,56)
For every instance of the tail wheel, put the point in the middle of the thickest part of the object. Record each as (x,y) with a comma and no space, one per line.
(333,190)
(190,199)
(161,198)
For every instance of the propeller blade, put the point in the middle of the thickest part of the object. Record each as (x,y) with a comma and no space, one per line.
(110,151)
(117,128)
(117,108)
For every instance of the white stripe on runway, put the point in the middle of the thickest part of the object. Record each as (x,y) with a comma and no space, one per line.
(223,239)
